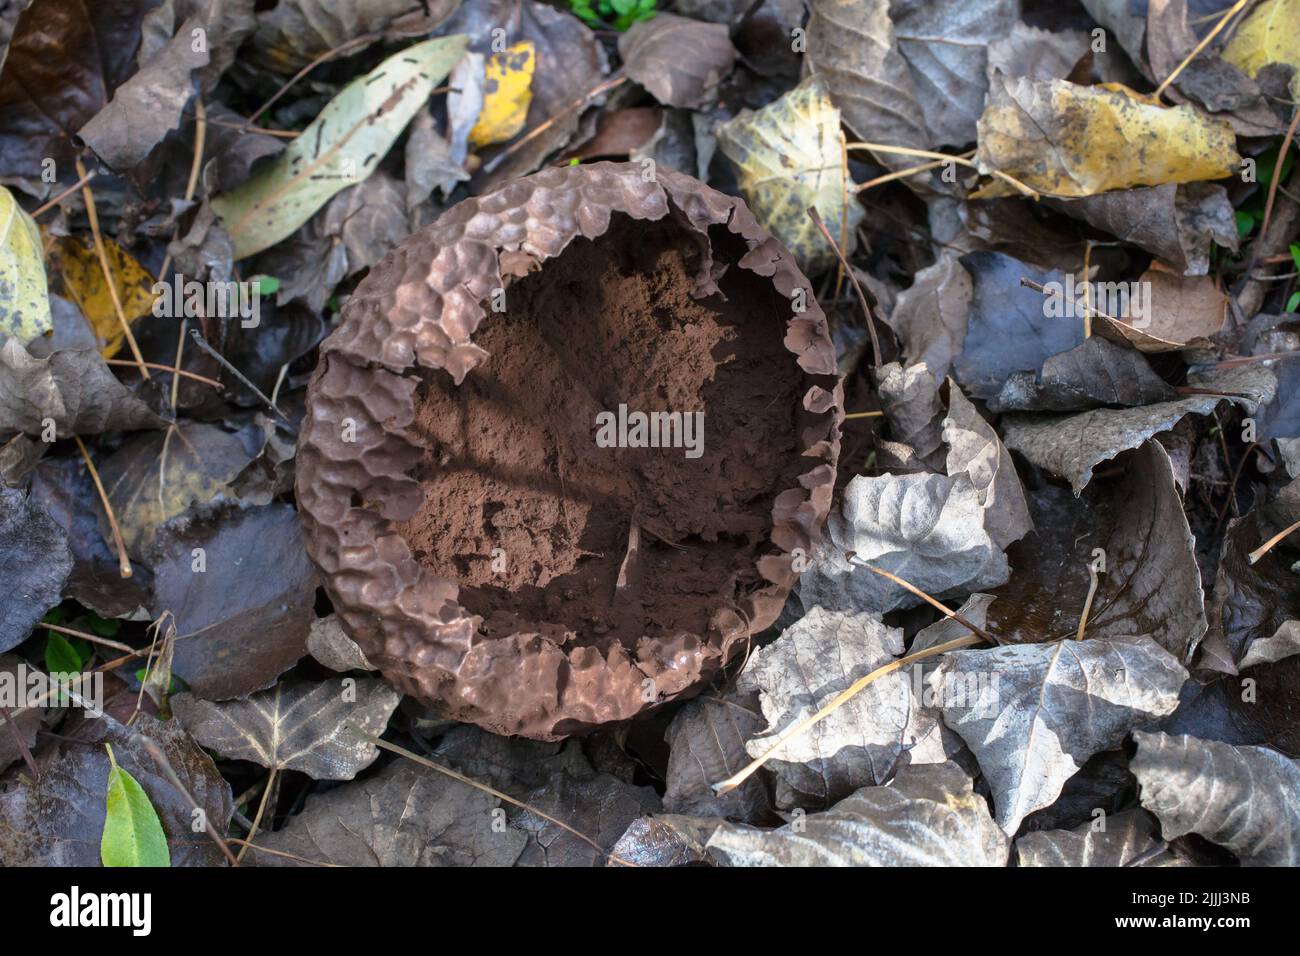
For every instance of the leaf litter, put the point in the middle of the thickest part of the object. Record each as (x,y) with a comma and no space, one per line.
(1085,497)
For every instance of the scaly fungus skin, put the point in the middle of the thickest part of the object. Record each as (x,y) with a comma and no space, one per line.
(546,591)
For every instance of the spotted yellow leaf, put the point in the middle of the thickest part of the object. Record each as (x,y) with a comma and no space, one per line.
(1067,140)
(788,159)
(81,279)
(1271,34)
(24,299)
(507,94)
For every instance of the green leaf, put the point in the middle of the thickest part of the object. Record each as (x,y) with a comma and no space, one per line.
(1245,223)
(1295,255)
(60,656)
(1293,303)
(266,285)
(24,297)
(133,836)
(340,148)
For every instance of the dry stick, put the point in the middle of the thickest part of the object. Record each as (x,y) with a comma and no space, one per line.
(616,80)
(168,368)
(264,130)
(1087,604)
(862,415)
(939,605)
(65,194)
(87,636)
(423,762)
(1232,487)
(1252,359)
(944,157)
(900,174)
(124,563)
(732,782)
(261,808)
(1268,206)
(871,319)
(1087,289)
(978,634)
(1209,37)
(161,760)
(93,216)
(844,218)
(327,55)
(196,164)
(1267,546)
(180,354)
(1090,310)
(20,743)
(288,856)
(202,343)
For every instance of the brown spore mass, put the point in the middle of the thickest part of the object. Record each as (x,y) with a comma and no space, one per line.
(549,533)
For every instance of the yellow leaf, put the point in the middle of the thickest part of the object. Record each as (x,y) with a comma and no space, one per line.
(788,158)
(507,94)
(82,280)
(1069,140)
(24,299)
(1271,34)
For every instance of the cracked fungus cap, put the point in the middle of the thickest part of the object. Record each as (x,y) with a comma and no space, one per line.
(567,446)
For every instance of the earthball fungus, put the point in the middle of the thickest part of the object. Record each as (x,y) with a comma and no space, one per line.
(568,446)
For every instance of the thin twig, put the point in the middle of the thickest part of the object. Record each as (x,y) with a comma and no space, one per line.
(123,562)
(65,194)
(469,782)
(938,605)
(866,309)
(168,368)
(616,80)
(930,154)
(202,343)
(87,636)
(161,760)
(93,216)
(261,808)
(851,415)
(1267,546)
(1087,603)
(1208,38)
(1257,245)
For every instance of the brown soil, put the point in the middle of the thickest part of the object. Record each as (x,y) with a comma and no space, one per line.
(513,462)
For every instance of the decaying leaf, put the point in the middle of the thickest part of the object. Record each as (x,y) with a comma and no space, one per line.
(927,816)
(312,727)
(860,743)
(1068,140)
(406,815)
(24,304)
(1043,709)
(1267,35)
(926,529)
(342,146)
(930,316)
(667,839)
(240,589)
(1133,535)
(910,400)
(58,819)
(679,60)
(975,450)
(80,277)
(1242,798)
(788,158)
(1090,375)
(508,78)
(1122,838)
(329,644)
(706,743)
(34,564)
(72,390)
(1073,445)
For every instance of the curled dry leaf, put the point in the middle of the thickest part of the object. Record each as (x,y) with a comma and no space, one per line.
(975,450)
(926,529)
(788,159)
(1090,375)
(330,645)
(150,104)
(1073,445)
(930,316)
(1147,578)
(927,816)
(1068,140)
(1242,798)
(1034,713)
(679,60)
(312,727)
(667,839)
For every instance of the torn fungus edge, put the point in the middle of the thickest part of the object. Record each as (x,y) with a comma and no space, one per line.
(418,308)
